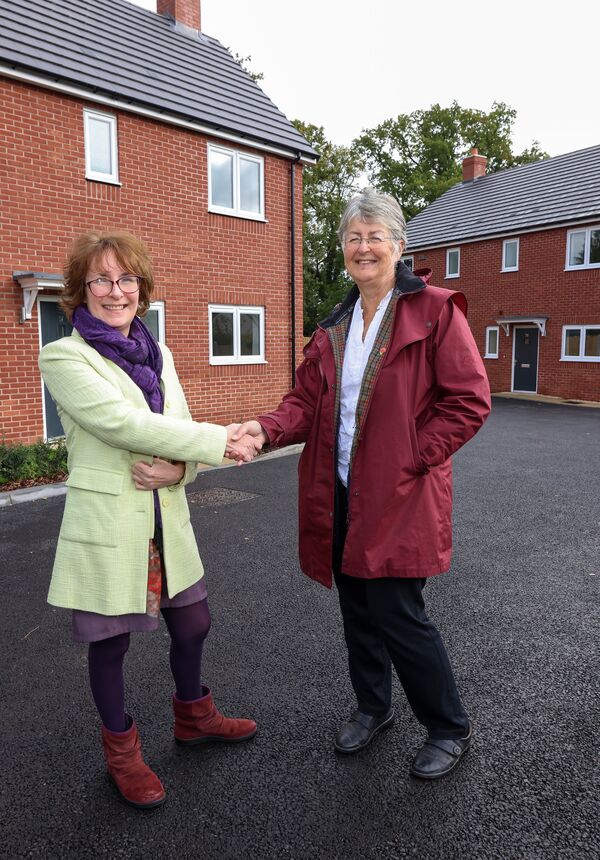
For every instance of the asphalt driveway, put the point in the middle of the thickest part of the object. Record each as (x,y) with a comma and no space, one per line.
(520,616)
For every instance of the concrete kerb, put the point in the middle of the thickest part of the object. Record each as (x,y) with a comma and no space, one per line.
(545,398)
(46,491)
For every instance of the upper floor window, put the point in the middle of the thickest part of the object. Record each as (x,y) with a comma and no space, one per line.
(100,136)
(237,334)
(510,255)
(453,263)
(235,183)
(409,261)
(581,343)
(583,248)
(492,334)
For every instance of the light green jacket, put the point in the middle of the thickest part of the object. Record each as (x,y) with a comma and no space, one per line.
(101,562)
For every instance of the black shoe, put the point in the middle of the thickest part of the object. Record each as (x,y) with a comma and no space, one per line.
(438,757)
(360,730)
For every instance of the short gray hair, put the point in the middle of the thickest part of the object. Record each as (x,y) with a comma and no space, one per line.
(370,205)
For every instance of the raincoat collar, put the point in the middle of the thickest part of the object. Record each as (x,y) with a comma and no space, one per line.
(406,282)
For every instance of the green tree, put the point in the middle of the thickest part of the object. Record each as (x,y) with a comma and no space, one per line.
(327,187)
(245,64)
(418,156)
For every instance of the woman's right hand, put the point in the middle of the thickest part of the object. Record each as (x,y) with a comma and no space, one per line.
(242,447)
(250,428)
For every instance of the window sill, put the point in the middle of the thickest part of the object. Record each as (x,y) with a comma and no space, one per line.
(578,360)
(504,271)
(104,180)
(491,356)
(233,362)
(246,216)
(451,277)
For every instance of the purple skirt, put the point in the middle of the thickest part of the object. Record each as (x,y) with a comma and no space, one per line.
(92,626)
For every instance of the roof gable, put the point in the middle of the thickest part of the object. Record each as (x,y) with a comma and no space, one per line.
(555,191)
(113,48)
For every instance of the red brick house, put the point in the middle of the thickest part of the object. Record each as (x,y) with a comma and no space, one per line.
(116,117)
(524,246)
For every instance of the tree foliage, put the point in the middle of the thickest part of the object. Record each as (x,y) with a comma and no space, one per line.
(327,187)
(416,157)
(245,64)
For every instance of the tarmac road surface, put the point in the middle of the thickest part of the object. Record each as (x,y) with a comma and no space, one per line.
(520,616)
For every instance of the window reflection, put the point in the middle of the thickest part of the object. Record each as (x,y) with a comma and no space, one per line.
(222,334)
(100,149)
(249,186)
(221,179)
(249,334)
(572,341)
(592,342)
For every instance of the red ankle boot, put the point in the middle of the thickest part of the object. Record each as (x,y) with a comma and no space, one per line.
(199,722)
(136,783)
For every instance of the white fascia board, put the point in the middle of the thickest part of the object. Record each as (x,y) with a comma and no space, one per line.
(116,104)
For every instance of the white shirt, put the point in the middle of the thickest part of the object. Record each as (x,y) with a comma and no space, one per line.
(356,355)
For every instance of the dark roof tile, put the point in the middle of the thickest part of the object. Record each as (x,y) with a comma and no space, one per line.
(113,48)
(557,190)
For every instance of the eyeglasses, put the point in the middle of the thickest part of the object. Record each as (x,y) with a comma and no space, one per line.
(372,241)
(100,287)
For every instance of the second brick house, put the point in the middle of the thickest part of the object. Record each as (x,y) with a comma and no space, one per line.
(524,246)
(115,117)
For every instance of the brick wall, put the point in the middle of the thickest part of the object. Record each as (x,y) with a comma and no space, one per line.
(541,287)
(199,257)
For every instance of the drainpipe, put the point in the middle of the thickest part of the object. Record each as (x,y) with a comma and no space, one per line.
(293,262)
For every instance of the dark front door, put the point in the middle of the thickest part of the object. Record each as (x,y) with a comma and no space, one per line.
(54,325)
(526,359)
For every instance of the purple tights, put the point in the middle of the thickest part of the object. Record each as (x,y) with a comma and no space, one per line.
(188,627)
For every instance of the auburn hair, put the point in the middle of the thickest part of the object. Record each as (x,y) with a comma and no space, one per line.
(131,254)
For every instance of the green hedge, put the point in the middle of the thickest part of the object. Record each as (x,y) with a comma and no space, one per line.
(28,462)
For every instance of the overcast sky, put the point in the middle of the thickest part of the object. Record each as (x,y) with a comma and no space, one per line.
(349,65)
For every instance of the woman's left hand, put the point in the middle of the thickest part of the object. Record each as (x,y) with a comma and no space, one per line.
(159,473)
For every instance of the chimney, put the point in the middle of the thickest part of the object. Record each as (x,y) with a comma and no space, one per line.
(473,166)
(184,13)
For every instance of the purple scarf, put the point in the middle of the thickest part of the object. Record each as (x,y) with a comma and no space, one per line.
(138,355)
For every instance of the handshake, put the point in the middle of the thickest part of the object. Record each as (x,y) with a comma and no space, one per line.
(244,441)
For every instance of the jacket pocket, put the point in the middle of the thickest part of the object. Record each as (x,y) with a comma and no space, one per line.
(183,510)
(92,507)
(174,506)
(420,469)
(87,478)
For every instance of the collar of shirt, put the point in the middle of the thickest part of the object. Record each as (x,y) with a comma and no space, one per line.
(356,355)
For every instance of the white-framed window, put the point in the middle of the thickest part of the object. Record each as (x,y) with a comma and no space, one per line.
(580,343)
(155,320)
(453,263)
(510,255)
(101,153)
(492,339)
(583,248)
(409,261)
(237,334)
(236,184)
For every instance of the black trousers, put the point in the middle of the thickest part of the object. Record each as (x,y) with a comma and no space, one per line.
(385,625)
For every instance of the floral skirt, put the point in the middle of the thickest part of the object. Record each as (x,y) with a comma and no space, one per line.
(92,626)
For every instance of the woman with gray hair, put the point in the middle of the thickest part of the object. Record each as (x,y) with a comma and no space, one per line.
(391,385)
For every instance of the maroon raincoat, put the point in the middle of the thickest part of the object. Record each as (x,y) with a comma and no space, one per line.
(429,396)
